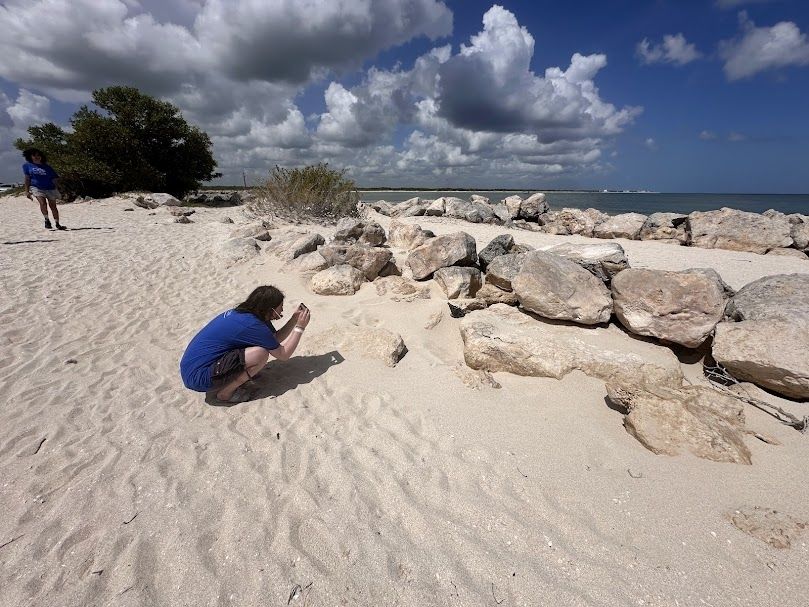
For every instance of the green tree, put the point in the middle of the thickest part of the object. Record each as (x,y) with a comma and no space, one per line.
(130,142)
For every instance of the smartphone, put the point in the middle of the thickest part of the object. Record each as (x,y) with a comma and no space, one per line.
(302,306)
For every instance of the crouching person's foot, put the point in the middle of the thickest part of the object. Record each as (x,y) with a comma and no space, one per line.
(239,395)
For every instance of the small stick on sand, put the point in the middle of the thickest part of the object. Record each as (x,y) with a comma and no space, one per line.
(495,596)
(12,540)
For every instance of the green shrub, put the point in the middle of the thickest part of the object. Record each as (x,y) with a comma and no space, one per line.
(309,192)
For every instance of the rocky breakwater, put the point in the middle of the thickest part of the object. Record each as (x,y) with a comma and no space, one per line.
(771,232)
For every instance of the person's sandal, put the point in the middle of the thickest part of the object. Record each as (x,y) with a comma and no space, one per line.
(48,225)
(59,226)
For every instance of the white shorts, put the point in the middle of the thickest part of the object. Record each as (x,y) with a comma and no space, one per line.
(49,194)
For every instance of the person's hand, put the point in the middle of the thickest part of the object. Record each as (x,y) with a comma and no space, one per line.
(29,196)
(302,316)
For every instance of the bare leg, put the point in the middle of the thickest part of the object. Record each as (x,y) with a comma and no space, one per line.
(254,360)
(43,206)
(54,210)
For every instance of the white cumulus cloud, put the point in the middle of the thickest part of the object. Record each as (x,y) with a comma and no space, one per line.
(674,49)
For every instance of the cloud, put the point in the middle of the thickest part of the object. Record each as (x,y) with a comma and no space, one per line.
(735,137)
(737,3)
(674,49)
(650,143)
(708,136)
(15,117)
(760,49)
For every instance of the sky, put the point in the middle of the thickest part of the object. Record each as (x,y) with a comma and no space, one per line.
(663,95)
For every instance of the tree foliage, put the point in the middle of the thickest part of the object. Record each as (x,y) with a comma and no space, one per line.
(130,142)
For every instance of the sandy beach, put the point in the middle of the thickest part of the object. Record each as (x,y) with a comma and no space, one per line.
(346,482)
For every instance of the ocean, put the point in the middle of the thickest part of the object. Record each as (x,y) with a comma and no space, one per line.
(623,202)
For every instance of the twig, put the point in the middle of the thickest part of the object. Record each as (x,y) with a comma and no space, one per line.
(720,379)
(521,472)
(495,597)
(638,475)
(39,446)
(134,516)
(11,541)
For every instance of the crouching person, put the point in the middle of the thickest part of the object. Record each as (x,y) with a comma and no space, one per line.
(235,346)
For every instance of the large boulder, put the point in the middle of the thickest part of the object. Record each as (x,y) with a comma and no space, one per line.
(512,204)
(215,199)
(788,253)
(368,260)
(780,297)
(458,282)
(161,199)
(473,212)
(625,225)
(572,221)
(770,353)
(308,262)
(697,419)
(436,208)
(350,230)
(254,230)
(800,233)
(458,249)
(533,206)
(337,280)
(500,245)
(738,231)
(478,198)
(368,342)
(293,244)
(406,236)
(236,250)
(677,307)
(668,227)
(604,260)
(502,270)
(401,288)
(502,338)
(555,287)
(492,295)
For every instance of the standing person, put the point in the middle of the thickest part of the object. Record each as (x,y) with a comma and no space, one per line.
(234,347)
(41,182)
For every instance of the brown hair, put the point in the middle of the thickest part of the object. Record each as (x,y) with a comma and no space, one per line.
(261,302)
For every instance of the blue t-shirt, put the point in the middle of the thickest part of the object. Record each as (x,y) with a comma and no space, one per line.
(42,175)
(230,330)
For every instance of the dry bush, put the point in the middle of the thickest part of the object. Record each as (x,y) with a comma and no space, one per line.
(316,192)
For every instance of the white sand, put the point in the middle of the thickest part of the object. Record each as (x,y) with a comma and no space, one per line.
(363,484)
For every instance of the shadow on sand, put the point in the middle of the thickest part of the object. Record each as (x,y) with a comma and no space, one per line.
(279,377)
(30,241)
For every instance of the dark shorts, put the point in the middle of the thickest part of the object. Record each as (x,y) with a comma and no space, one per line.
(227,368)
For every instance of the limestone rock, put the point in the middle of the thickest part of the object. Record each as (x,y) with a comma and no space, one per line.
(398,286)
(573,221)
(500,245)
(458,282)
(436,207)
(788,253)
(502,338)
(308,262)
(478,198)
(665,226)
(161,199)
(459,308)
(603,260)
(677,307)
(182,219)
(473,212)
(770,526)
(738,231)
(778,297)
(533,206)
(513,205)
(351,230)
(368,342)
(800,234)
(412,207)
(238,249)
(769,353)
(669,420)
(368,260)
(294,243)
(502,270)
(337,280)
(253,230)
(492,295)
(215,198)
(555,287)
(406,236)
(390,269)
(458,249)
(625,225)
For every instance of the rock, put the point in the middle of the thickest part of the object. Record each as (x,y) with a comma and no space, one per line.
(738,231)
(413,207)
(238,249)
(254,230)
(501,213)
(434,320)
(368,342)
(435,208)
(677,307)
(502,338)
(502,270)
(406,236)
(500,245)
(390,269)
(215,199)
(533,206)
(337,280)
(779,297)
(712,274)
(226,219)
(368,260)
(396,285)
(308,262)
(383,207)
(458,249)
(800,234)
(141,202)
(334,253)
(478,198)
(458,282)
(788,253)
(626,225)
(669,420)
(182,219)
(669,227)
(352,230)
(603,260)
(572,221)
(459,308)
(492,295)
(304,244)
(180,211)
(513,205)
(475,379)
(770,526)
(555,287)
(769,353)
(469,211)
(161,199)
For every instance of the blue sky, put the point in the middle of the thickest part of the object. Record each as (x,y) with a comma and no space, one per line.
(670,95)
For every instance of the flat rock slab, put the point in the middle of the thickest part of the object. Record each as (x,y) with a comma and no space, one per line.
(603,259)
(401,288)
(677,307)
(770,353)
(694,419)
(770,526)
(368,342)
(738,231)
(254,230)
(558,288)
(625,225)
(502,338)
